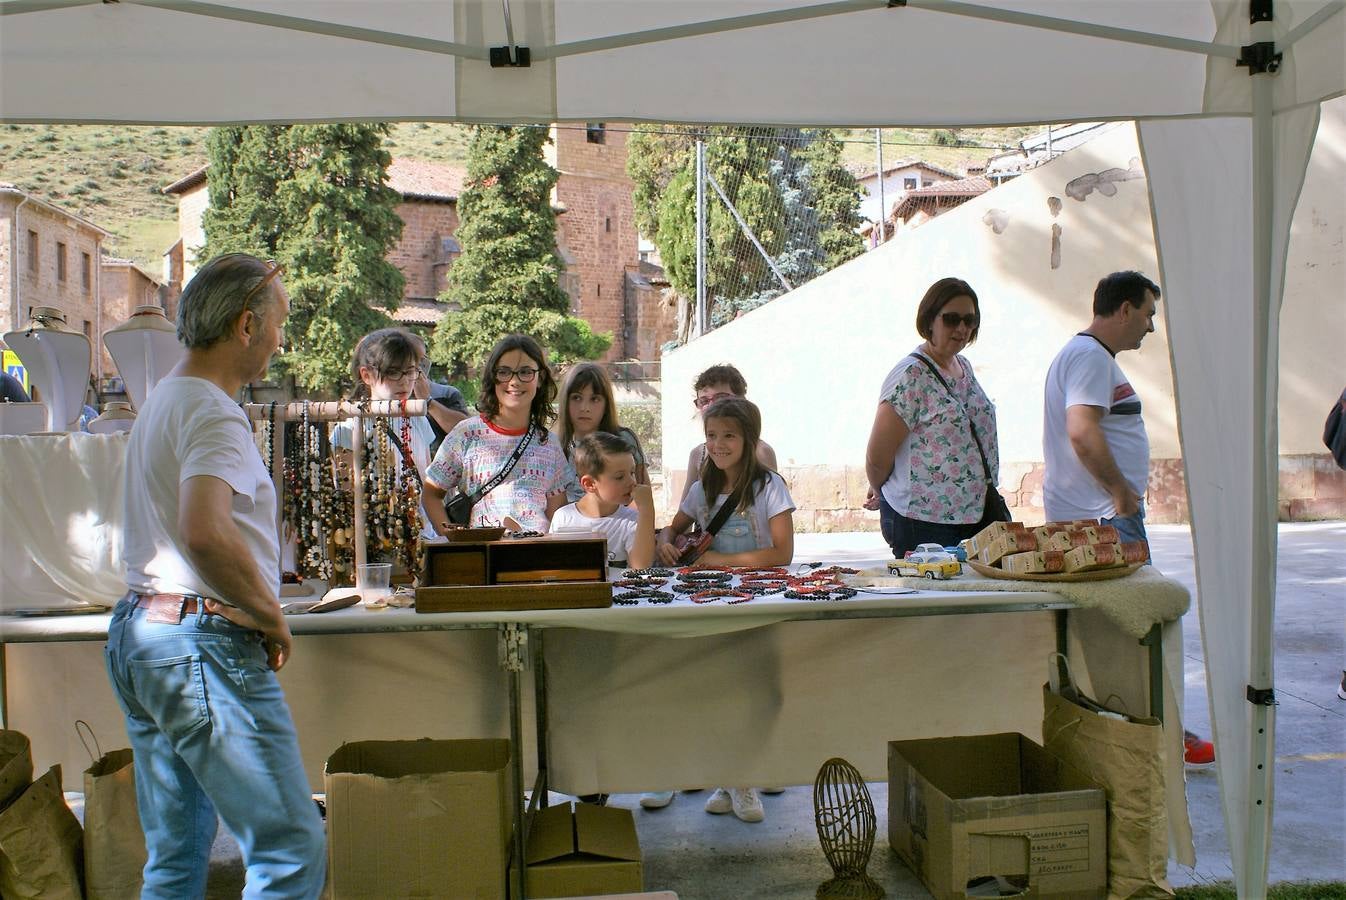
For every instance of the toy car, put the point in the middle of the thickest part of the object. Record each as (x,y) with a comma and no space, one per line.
(927,561)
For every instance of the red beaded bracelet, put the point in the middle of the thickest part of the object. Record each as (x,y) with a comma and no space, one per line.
(711,594)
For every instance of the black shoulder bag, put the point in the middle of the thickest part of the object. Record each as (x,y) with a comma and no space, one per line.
(996,509)
(692,545)
(459,506)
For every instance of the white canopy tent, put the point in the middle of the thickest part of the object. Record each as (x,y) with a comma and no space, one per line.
(1225,145)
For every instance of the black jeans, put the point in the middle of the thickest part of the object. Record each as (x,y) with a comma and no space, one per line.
(903,534)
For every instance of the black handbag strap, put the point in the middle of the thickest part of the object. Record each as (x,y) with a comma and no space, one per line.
(500,476)
(934,370)
(725,511)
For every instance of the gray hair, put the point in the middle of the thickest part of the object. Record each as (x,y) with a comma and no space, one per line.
(218,294)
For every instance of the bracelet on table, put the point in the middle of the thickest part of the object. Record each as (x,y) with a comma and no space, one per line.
(709,595)
(833,571)
(757,573)
(811,583)
(637,583)
(631,598)
(653,572)
(761,586)
(704,576)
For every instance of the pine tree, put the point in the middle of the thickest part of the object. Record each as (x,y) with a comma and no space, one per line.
(314,198)
(508,276)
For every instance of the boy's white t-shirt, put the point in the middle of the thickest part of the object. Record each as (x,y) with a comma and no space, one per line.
(189,427)
(619,528)
(771,499)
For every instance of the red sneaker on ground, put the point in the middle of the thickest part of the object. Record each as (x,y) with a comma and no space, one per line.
(1196,753)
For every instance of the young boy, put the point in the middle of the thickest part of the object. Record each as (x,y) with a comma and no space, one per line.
(607,472)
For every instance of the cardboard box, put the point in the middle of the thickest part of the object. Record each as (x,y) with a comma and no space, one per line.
(583,850)
(1011,542)
(1039,562)
(979,542)
(964,808)
(1089,557)
(419,819)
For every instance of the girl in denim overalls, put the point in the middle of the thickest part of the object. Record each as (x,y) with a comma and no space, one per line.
(760,531)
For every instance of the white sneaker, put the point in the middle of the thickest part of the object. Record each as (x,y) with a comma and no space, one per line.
(656,799)
(718,803)
(746,805)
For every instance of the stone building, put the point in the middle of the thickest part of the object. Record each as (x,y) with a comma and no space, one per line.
(125,286)
(48,257)
(595,236)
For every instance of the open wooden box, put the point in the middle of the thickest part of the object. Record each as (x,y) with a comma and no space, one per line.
(517,573)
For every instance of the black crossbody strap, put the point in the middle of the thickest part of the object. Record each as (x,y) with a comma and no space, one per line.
(985,466)
(505,470)
(730,504)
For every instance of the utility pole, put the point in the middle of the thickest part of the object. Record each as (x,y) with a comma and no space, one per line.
(883,206)
(700,318)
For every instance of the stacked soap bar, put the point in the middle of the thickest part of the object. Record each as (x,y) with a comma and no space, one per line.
(1053,548)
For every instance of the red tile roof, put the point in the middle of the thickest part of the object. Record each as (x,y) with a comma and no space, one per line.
(414,179)
(962,190)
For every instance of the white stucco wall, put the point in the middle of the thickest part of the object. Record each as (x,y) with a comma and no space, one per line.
(814,359)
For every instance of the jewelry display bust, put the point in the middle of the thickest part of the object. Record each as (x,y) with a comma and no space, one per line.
(58,361)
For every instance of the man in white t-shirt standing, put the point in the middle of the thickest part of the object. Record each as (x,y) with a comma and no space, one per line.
(194,646)
(1093,435)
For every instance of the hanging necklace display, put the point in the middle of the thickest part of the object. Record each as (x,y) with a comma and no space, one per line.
(408,496)
(269,440)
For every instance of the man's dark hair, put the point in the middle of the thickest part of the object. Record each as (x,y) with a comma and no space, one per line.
(1121,287)
(722,374)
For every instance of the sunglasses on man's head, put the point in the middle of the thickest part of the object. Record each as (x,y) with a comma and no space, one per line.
(951,319)
(276,269)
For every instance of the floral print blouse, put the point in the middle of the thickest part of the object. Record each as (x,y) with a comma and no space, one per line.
(937,474)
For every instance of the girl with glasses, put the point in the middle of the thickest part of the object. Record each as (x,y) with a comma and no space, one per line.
(514,410)
(588,407)
(925,470)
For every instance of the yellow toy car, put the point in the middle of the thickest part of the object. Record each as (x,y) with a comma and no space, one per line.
(927,561)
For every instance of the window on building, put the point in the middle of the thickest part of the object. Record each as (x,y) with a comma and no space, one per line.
(88,329)
(910,184)
(60,261)
(32,252)
(596,133)
(86,272)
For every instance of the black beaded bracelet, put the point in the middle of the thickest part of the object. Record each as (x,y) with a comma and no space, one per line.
(705,577)
(653,572)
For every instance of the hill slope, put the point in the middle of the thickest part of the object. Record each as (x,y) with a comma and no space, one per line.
(114,175)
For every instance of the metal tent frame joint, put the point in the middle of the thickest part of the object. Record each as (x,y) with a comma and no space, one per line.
(512,57)
(1260,58)
(1262,696)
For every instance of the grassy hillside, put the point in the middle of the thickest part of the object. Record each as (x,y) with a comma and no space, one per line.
(114,175)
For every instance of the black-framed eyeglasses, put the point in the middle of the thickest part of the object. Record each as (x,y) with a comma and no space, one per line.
(424,365)
(276,269)
(524,374)
(951,319)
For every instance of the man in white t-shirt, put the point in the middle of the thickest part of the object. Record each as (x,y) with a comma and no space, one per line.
(1093,435)
(194,646)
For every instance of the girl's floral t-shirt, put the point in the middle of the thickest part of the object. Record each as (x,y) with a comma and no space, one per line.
(476,450)
(937,473)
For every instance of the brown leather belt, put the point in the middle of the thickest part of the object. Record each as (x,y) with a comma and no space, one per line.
(169,608)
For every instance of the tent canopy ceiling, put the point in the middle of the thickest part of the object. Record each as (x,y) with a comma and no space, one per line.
(840,62)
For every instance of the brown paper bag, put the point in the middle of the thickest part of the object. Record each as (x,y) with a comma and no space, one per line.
(40,854)
(16,765)
(1126,756)
(114,844)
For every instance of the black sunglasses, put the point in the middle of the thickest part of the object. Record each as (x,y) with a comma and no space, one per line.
(951,319)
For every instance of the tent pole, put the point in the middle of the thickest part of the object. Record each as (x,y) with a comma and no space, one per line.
(1253,875)
(700,316)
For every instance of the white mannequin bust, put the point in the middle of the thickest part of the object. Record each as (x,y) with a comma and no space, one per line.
(145,348)
(58,361)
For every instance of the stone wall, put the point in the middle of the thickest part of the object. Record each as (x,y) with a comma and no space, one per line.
(192,206)
(419,253)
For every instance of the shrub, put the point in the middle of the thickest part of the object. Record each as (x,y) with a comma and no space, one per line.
(646,420)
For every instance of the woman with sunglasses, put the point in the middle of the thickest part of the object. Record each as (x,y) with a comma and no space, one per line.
(515,408)
(925,471)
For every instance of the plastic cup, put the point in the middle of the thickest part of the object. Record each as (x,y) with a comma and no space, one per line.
(371,580)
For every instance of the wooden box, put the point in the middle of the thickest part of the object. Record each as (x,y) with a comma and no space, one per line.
(526,573)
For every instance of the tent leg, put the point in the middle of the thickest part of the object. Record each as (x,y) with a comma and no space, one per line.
(1154,640)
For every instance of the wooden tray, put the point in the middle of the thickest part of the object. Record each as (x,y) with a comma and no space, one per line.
(473,535)
(1096,575)
(486,597)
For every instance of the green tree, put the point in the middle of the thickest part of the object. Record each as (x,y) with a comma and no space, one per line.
(508,277)
(789,185)
(314,198)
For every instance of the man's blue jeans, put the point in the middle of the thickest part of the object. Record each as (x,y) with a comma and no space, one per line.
(1129,528)
(212,733)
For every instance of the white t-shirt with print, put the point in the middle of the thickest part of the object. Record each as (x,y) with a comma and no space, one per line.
(476,450)
(422,436)
(770,500)
(1085,373)
(188,427)
(619,528)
